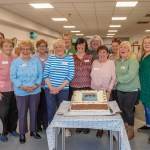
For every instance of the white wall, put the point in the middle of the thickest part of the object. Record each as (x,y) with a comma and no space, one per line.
(13,25)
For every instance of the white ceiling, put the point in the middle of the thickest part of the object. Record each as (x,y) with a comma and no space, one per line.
(89,16)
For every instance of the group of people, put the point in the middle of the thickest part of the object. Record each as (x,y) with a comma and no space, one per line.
(40,82)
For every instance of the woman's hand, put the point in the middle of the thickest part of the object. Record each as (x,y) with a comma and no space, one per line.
(1,96)
(27,88)
(108,92)
(54,90)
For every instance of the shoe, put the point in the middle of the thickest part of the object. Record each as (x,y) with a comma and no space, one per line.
(86,131)
(35,135)
(39,130)
(79,130)
(149,140)
(22,138)
(144,128)
(67,133)
(99,133)
(15,134)
(3,138)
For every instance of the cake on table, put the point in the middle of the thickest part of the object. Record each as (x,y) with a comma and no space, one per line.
(89,100)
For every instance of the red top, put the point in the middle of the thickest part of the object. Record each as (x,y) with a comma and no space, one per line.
(5,82)
(82,71)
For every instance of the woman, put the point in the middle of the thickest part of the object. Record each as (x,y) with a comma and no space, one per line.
(42,119)
(26,75)
(128,84)
(95,42)
(83,62)
(8,108)
(103,75)
(1,39)
(144,74)
(115,48)
(58,73)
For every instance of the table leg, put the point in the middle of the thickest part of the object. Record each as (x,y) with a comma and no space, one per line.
(119,141)
(111,140)
(63,138)
(56,138)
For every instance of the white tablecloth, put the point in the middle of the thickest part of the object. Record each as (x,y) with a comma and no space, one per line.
(112,122)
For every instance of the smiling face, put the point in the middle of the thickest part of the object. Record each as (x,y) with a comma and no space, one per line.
(7,48)
(59,49)
(95,43)
(81,48)
(124,51)
(103,55)
(68,41)
(115,47)
(146,45)
(42,48)
(26,51)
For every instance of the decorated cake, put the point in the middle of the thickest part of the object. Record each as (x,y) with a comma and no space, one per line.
(89,100)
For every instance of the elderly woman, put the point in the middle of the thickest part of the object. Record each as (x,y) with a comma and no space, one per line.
(144,74)
(95,42)
(70,49)
(26,75)
(58,73)
(1,38)
(128,84)
(42,119)
(83,62)
(8,108)
(103,75)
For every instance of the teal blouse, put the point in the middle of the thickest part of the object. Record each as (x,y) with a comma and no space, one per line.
(144,74)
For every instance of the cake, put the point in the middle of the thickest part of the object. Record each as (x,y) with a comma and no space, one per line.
(89,100)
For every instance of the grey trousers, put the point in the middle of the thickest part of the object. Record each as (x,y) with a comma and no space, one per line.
(25,103)
(126,102)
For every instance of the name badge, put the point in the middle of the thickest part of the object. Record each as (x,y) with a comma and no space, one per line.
(23,65)
(70,54)
(122,67)
(96,68)
(86,60)
(4,62)
(64,63)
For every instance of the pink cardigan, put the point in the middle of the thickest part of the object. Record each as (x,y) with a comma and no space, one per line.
(5,82)
(103,75)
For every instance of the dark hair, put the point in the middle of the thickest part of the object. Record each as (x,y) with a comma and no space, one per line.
(40,42)
(81,40)
(116,40)
(102,47)
(2,35)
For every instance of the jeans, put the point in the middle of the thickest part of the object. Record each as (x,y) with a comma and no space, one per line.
(53,102)
(147,114)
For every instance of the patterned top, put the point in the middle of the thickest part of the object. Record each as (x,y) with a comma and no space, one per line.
(5,82)
(26,73)
(58,70)
(82,71)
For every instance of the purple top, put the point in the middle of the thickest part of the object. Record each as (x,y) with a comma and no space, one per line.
(43,61)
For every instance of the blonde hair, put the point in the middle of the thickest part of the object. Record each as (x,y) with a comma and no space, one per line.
(26,43)
(93,38)
(142,47)
(66,34)
(58,42)
(130,53)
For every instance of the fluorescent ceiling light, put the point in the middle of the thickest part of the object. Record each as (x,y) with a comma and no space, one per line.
(41,5)
(112,30)
(88,37)
(119,18)
(114,26)
(69,26)
(59,19)
(126,4)
(147,30)
(75,31)
(111,34)
(79,34)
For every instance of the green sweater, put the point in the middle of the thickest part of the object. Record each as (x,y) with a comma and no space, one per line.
(127,74)
(144,74)
(71,51)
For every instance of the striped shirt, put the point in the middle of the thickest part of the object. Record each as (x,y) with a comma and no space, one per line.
(58,70)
